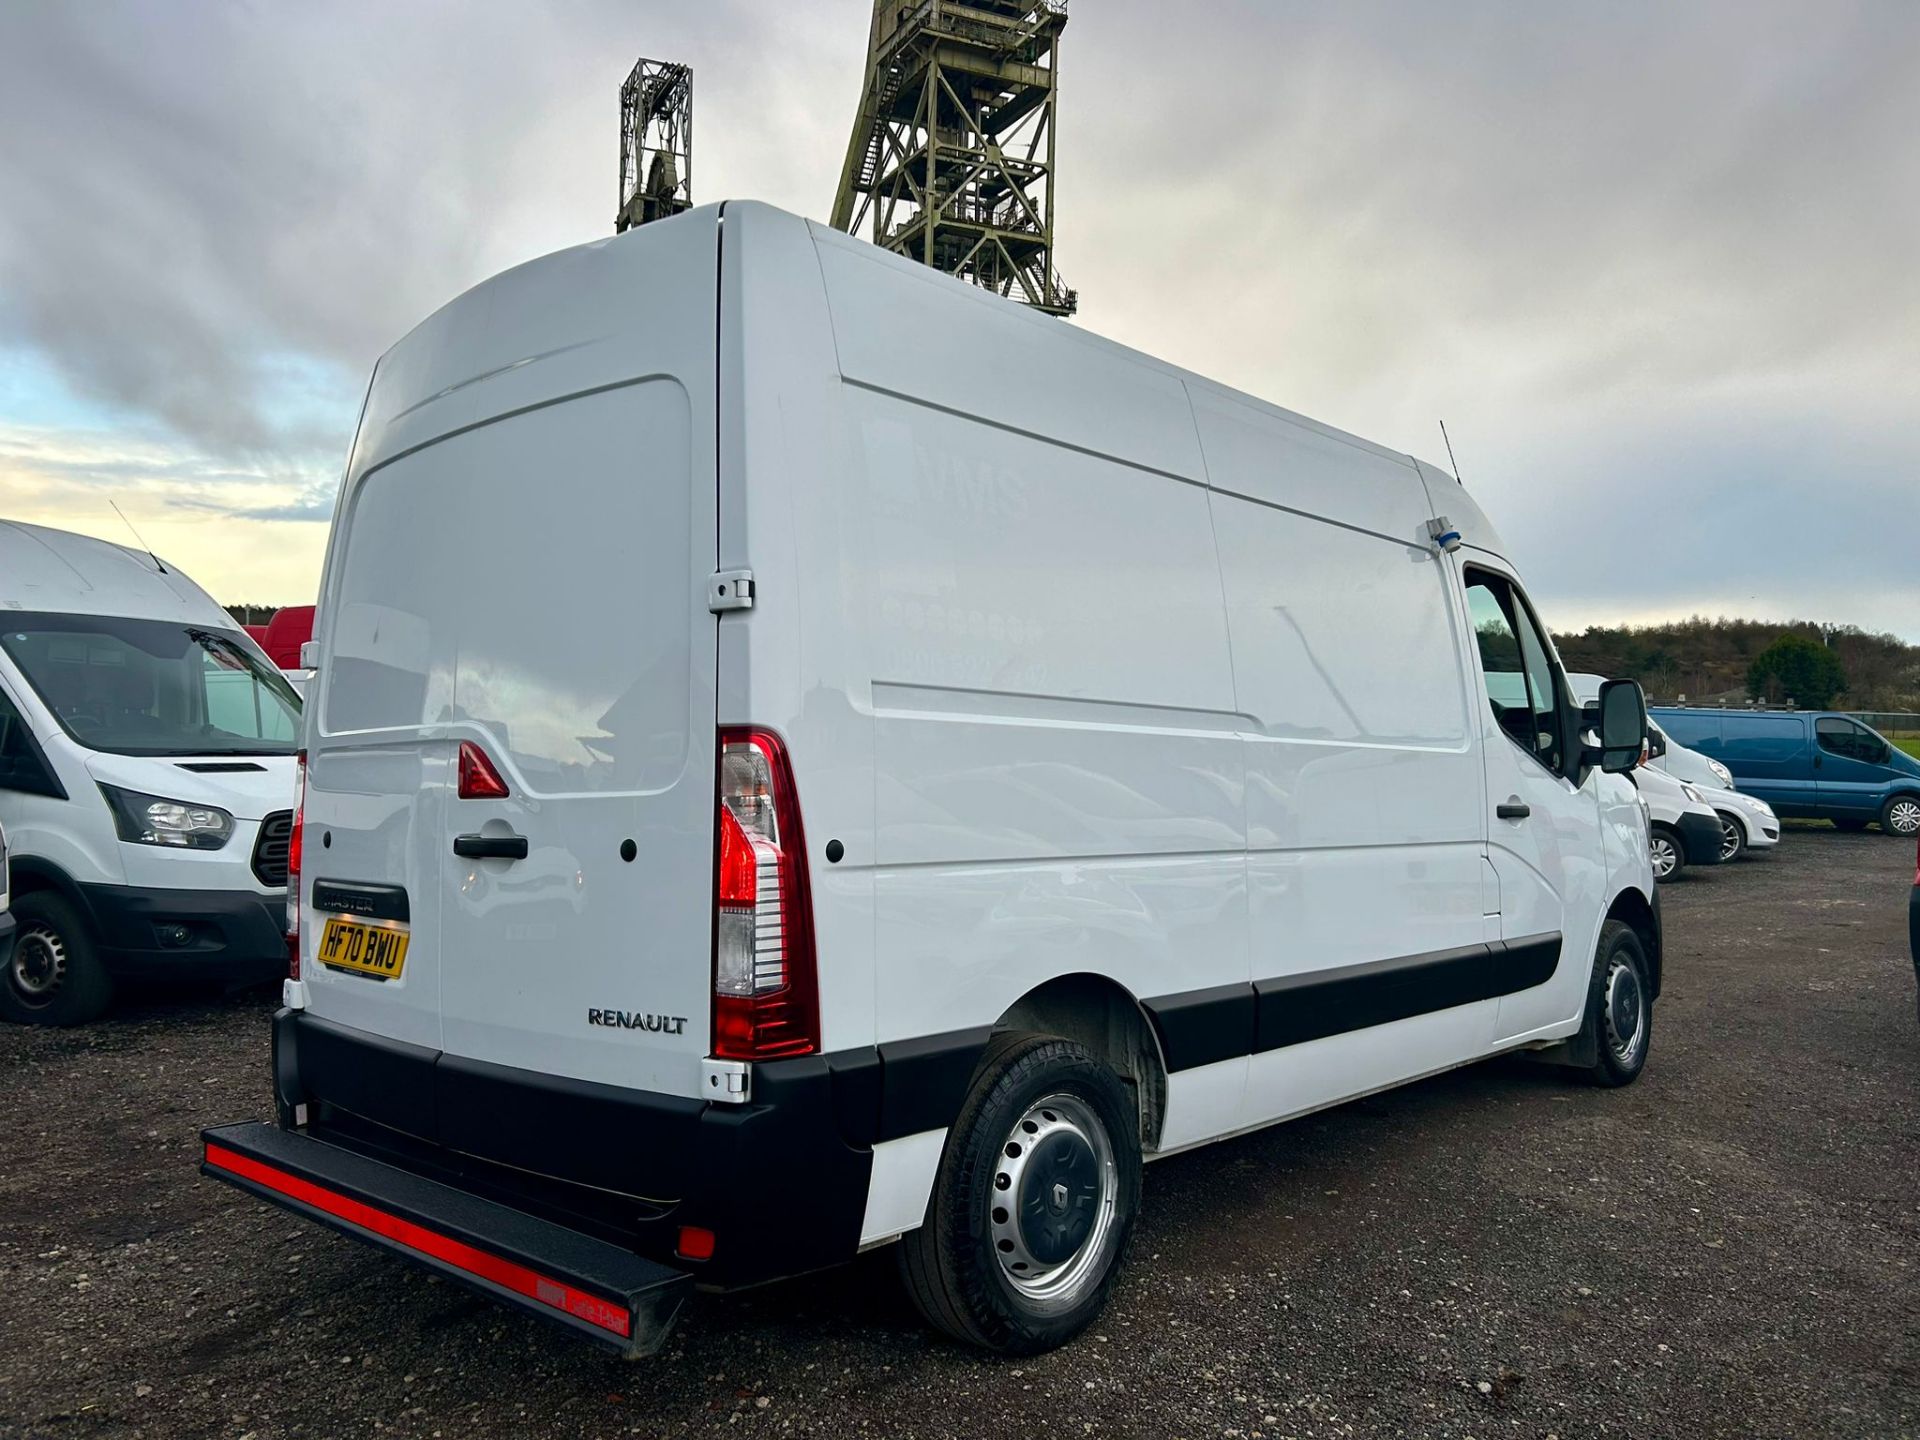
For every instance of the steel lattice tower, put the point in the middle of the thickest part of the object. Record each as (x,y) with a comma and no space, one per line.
(951,158)
(656,143)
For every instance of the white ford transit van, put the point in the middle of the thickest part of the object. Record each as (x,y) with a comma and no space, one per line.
(805,754)
(6,903)
(146,778)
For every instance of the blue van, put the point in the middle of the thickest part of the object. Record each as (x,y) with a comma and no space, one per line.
(1815,763)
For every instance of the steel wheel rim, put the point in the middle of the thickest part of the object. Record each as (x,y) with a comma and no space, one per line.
(1055,1176)
(1626,1011)
(1666,859)
(39,965)
(1903,817)
(1729,838)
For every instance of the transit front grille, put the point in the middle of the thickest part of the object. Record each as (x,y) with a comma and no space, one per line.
(270,850)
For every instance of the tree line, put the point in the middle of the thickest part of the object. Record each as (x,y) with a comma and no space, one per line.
(1817,666)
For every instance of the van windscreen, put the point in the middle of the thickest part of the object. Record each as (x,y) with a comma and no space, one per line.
(153,687)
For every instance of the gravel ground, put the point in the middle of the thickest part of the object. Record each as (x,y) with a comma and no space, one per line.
(1731,1247)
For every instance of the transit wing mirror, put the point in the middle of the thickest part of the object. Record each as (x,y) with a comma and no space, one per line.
(1619,718)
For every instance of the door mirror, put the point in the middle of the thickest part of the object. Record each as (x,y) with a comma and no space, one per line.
(1619,718)
(1656,743)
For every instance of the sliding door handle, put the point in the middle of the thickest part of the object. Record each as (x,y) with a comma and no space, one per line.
(490,847)
(1513,810)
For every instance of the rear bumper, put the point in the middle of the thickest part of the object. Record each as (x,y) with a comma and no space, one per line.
(1701,835)
(188,934)
(781,1182)
(606,1293)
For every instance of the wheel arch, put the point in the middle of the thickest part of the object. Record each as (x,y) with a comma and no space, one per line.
(32,873)
(1099,1013)
(1641,915)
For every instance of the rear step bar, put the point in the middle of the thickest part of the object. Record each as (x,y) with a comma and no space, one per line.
(609,1294)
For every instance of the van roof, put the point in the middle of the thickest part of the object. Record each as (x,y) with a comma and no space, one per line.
(58,571)
(1077,387)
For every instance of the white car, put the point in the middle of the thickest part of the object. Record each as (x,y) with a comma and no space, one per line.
(146,779)
(777,786)
(1747,822)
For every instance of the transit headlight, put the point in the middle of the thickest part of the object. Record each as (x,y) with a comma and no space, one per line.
(1692,794)
(156,820)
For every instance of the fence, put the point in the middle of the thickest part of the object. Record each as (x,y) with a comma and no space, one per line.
(1894,724)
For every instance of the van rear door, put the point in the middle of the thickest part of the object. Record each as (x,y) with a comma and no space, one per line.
(527,588)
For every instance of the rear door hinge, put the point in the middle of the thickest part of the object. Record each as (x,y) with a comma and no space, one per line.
(730,590)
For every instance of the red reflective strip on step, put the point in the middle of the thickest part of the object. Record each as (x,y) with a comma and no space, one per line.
(504,1273)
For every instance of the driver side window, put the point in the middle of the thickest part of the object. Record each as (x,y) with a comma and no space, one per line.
(1843,737)
(1521,684)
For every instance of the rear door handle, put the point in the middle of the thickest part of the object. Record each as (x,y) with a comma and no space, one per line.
(1513,810)
(490,847)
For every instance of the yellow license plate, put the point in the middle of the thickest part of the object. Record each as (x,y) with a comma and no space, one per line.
(378,950)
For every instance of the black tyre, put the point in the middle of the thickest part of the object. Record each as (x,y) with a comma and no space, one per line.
(1901,816)
(1620,1006)
(1850,826)
(1034,1204)
(1733,838)
(1668,850)
(55,976)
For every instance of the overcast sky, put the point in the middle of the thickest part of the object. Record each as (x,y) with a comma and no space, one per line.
(1657,265)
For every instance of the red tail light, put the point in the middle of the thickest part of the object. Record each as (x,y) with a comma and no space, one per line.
(478,779)
(766,999)
(293,864)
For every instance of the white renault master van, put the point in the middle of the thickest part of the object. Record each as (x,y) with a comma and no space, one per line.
(806,754)
(146,778)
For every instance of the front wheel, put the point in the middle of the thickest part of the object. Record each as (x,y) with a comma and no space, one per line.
(1901,815)
(1034,1203)
(1667,851)
(1620,1007)
(54,977)
(1733,839)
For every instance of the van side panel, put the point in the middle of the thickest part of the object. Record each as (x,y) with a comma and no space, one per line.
(1059,783)
(1364,784)
(903,328)
(1772,756)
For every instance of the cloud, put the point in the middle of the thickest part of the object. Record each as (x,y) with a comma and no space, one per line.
(1653,264)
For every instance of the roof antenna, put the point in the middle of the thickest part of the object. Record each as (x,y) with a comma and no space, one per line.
(1450,460)
(136,535)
